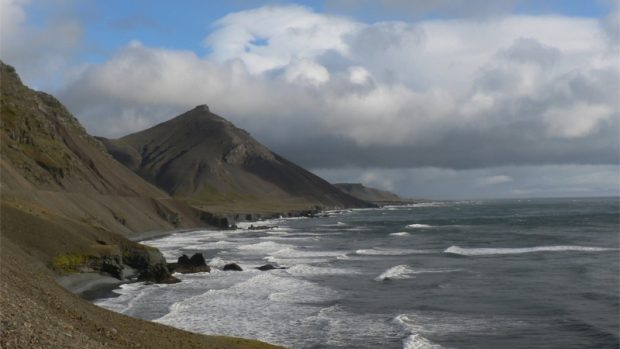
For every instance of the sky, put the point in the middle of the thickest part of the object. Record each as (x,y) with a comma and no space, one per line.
(431,99)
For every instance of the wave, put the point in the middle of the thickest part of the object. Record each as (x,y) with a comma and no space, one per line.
(414,340)
(405,272)
(304,269)
(264,247)
(419,226)
(293,255)
(499,251)
(430,204)
(398,272)
(377,251)
(291,252)
(400,233)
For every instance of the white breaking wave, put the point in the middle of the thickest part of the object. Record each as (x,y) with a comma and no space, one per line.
(400,233)
(497,251)
(389,251)
(291,255)
(398,272)
(419,226)
(405,272)
(304,269)
(430,204)
(264,247)
(414,340)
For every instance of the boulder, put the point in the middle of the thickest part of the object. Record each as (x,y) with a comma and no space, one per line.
(187,265)
(232,266)
(259,227)
(149,262)
(268,267)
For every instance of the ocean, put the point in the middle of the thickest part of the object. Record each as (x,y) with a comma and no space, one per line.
(539,273)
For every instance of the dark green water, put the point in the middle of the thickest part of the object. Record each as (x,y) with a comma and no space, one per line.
(540,273)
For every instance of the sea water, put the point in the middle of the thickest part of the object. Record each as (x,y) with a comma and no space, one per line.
(540,273)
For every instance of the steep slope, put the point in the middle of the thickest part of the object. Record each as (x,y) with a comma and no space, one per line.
(205,159)
(49,160)
(66,205)
(369,194)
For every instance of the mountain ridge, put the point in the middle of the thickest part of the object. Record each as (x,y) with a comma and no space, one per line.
(205,159)
(67,206)
(374,195)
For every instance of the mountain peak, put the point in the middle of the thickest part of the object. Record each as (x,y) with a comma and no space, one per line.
(202,107)
(202,156)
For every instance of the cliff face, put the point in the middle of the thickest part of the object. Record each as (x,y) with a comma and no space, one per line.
(201,157)
(65,201)
(369,194)
(49,160)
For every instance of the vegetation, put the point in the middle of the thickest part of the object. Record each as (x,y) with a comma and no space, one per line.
(70,262)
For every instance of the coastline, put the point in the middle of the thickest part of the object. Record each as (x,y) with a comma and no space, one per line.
(154,234)
(90,286)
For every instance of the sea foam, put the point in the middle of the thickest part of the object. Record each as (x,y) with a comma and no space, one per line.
(405,272)
(400,233)
(378,251)
(419,226)
(500,251)
(304,269)
(414,340)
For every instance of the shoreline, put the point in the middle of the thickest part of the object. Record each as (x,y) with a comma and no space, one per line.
(92,286)
(154,234)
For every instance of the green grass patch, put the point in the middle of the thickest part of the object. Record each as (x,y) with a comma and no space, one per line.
(69,262)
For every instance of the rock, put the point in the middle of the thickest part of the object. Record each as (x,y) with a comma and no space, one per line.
(149,262)
(259,227)
(198,260)
(187,265)
(269,267)
(232,266)
(184,261)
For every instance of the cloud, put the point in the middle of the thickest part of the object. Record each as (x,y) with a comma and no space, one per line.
(270,37)
(41,53)
(504,181)
(328,91)
(419,8)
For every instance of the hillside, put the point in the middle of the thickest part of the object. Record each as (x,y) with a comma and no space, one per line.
(206,160)
(67,206)
(373,195)
(49,160)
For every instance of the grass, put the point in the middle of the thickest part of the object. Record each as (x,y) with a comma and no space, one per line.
(69,262)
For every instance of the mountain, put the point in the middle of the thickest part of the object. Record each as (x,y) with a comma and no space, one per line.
(67,206)
(206,160)
(373,195)
(49,160)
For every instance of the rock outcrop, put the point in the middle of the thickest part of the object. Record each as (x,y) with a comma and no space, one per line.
(232,266)
(269,267)
(187,265)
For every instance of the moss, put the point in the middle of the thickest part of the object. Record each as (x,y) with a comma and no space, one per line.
(69,262)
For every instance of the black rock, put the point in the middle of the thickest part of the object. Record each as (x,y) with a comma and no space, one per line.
(266,267)
(187,265)
(184,261)
(269,267)
(232,266)
(198,260)
(259,227)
